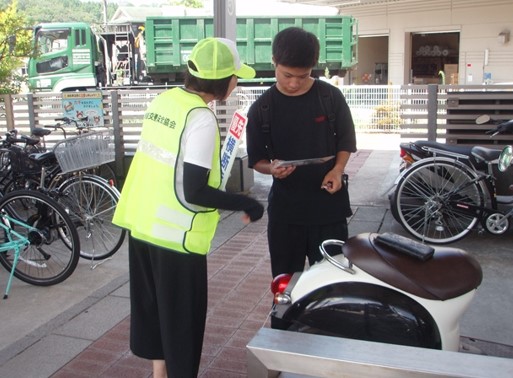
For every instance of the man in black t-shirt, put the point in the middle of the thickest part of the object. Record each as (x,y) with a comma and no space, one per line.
(308,203)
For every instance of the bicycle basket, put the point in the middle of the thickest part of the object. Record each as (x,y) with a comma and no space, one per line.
(85,151)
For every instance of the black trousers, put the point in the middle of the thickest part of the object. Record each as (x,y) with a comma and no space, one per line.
(168,301)
(290,245)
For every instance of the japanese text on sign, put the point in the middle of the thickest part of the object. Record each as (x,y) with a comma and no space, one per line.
(231,144)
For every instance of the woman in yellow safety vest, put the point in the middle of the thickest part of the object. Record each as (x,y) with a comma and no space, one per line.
(169,205)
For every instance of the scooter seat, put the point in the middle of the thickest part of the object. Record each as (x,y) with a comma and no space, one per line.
(462,150)
(485,154)
(449,273)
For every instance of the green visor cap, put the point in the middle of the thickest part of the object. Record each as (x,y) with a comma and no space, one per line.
(217,58)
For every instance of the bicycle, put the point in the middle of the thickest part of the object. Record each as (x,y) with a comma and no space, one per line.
(79,125)
(440,200)
(40,244)
(90,199)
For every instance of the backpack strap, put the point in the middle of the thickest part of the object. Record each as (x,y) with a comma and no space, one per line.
(326,100)
(265,116)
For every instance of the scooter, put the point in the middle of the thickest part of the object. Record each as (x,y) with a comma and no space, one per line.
(381,287)
(411,152)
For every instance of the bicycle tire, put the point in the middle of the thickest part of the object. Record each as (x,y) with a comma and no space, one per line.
(91,202)
(437,201)
(104,171)
(54,249)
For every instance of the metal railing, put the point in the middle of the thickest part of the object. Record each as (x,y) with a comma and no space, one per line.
(272,352)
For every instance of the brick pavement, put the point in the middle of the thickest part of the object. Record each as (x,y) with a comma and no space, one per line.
(239,304)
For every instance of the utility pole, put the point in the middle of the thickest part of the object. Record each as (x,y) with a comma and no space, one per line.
(105,12)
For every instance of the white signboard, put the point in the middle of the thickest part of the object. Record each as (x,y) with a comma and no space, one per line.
(81,56)
(231,145)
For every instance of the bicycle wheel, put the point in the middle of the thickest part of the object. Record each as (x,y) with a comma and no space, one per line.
(439,201)
(52,252)
(91,203)
(104,171)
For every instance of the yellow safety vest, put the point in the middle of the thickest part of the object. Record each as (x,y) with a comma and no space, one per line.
(151,206)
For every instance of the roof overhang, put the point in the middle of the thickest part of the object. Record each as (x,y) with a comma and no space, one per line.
(340,3)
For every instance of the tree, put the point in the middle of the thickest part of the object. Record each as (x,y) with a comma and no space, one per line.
(189,3)
(15,46)
(37,11)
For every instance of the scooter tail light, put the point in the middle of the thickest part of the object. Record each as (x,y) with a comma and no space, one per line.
(280,283)
(406,157)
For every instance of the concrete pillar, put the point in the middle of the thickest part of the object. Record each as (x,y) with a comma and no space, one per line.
(225,19)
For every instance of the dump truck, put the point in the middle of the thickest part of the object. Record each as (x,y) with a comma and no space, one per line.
(74,56)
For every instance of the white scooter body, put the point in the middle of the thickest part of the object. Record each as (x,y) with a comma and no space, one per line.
(445,312)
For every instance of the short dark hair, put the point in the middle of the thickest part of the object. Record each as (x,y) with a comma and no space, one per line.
(218,88)
(295,47)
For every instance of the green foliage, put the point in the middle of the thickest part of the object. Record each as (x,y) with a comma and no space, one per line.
(37,11)
(15,45)
(188,3)
(387,116)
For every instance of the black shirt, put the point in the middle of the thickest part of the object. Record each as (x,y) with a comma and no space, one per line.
(299,129)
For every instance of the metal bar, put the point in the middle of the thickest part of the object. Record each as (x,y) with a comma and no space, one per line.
(324,356)
(432,108)
(31,111)
(119,144)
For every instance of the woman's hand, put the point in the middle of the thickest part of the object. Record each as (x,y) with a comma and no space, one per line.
(253,213)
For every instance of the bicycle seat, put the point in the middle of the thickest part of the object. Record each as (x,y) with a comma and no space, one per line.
(42,157)
(40,132)
(485,154)
(30,141)
(449,273)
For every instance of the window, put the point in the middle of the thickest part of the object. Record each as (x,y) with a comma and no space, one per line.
(51,41)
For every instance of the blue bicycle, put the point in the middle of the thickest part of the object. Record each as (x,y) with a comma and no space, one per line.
(39,244)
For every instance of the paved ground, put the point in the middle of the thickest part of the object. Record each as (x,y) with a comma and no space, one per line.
(80,327)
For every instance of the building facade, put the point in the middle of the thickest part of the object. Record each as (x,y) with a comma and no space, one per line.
(435,41)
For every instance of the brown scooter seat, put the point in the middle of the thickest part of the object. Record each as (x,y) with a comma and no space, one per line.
(449,273)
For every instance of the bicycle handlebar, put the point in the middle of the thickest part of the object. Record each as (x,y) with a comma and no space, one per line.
(71,121)
(502,128)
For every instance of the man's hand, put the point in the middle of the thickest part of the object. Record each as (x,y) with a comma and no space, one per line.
(280,172)
(332,182)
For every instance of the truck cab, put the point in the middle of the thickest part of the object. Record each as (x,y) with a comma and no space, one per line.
(67,57)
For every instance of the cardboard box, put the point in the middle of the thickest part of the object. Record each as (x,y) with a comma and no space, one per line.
(450,69)
(451,73)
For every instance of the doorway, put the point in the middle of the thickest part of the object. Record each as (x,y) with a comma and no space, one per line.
(372,61)
(435,58)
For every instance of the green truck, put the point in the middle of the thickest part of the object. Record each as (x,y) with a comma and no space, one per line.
(71,56)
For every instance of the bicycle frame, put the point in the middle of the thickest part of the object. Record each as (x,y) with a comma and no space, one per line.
(16,243)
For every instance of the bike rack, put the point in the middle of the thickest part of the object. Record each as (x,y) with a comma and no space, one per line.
(272,352)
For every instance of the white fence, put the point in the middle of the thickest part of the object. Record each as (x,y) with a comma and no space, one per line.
(407,110)
(374,108)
